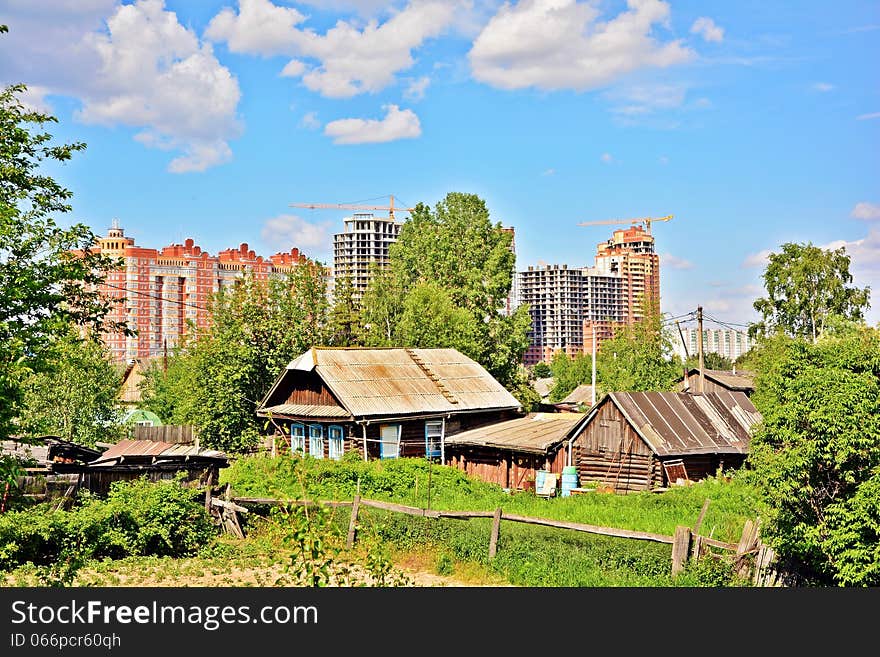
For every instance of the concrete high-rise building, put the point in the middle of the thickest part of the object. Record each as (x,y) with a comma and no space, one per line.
(161,291)
(729,343)
(512,301)
(364,242)
(569,305)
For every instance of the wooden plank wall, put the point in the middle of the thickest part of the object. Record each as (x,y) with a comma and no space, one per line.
(167,433)
(307,388)
(505,468)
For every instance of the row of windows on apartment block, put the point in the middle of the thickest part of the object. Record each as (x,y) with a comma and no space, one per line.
(389,442)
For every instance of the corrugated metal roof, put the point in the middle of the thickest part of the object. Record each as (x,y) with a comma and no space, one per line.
(535,433)
(304,410)
(157,449)
(583,394)
(394,382)
(741,380)
(544,385)
(679,423)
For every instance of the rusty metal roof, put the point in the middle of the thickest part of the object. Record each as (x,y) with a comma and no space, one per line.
(394,381)
(306,410)
(743,380)
(679,423)
(583,394)
(536,433)
(135,449)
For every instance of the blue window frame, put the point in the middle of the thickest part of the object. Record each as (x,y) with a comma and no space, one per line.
(389,447)
(336,442)
(297,439)
(316,441)
(433,436)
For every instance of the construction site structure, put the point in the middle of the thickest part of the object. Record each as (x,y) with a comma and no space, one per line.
(642,220)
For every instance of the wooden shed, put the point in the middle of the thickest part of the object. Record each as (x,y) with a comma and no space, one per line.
(633,441)
(510,453)
(384,403)
(718,381)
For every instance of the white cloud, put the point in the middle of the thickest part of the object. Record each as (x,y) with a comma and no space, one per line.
(759,259)
(310,121)
(638,100)
(868,117)
(865,210)
(607,158)
(344,61)
(132,65)
(572,49)
(669,260)
(34,99)
(822,87)
(416,89)
(288,230)
(864,257)
(707,28)
(397,124)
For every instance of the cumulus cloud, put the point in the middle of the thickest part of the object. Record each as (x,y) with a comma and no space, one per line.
(310,121)
(707,29)
(759,259)
(133,65)
(865,210)
(397,124)
(669,260)
(573,49)
(345,60)
(288,231)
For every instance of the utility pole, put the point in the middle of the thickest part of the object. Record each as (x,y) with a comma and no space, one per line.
(593,381)
(700,387)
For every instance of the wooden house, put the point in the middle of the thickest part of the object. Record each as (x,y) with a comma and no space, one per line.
(717,381)
(384,403)
(633,441)
(510,453)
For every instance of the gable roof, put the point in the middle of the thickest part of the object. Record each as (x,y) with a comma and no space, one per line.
(543,386)
(583,394)
(396,381)
(680,423)
(536,433)
(743,380)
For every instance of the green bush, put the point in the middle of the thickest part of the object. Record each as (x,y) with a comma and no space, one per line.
(136,518)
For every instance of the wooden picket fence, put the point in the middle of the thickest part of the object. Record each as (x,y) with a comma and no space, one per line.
(751,559)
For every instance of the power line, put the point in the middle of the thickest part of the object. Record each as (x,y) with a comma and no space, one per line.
(153,296)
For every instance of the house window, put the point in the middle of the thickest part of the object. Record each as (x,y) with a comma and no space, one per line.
(389,448)
(316,441)
(297,438)
(335,444)
(433,437)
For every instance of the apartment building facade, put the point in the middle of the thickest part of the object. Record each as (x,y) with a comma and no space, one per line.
(569,306)
(363,243)
(726,342)
(160,291)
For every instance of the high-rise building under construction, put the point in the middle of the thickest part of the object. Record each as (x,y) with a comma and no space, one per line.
(570,305)
(362,245)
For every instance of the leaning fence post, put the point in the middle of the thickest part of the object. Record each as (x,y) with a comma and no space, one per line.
(681,544)
(352,524)
(496,527)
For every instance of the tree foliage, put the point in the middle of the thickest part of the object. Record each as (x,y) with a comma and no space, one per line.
(711,361)
(217,377)
(816,455)
(639,357)
(77,397)
(541,370)
(345,315)
(450,272)
(806,285)
(44,286)
(568,373)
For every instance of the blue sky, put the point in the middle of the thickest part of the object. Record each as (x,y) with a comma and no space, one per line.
(753,123)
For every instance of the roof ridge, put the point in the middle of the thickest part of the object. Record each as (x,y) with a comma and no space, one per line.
(447,394)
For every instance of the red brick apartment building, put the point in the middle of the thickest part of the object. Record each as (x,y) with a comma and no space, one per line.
(162,290)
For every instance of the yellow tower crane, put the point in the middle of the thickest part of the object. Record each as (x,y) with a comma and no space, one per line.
(350,206)
(645,220)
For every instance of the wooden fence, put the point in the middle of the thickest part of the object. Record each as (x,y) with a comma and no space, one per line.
(751,559)
(166,433)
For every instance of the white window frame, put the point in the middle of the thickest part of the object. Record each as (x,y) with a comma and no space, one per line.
(389,449)
(335,443)
(316,442)
(433,439)
(298,442)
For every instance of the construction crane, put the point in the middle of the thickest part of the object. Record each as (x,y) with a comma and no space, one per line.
(350,206)
(646,220)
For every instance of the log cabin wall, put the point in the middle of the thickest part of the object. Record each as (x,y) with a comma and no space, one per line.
(609,452)
(505,468)
(703,466)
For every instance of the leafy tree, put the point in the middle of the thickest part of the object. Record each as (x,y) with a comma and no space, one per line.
(711,361)
(77,398)
(45,286)
(805,286)
(816,455)
(639,357)
(569,373)
(345,315)
(541,370)
(219,375)
(459,266)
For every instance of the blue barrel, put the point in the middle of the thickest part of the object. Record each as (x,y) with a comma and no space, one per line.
(569,479)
